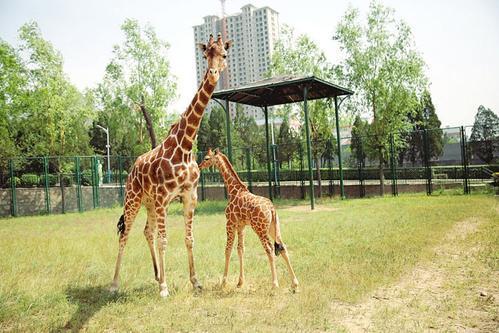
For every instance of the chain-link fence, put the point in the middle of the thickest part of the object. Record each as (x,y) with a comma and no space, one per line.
(431,161)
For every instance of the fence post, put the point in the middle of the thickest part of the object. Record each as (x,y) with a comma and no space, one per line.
(393,167)
(360,166)
(201,177)
(248,168)
(302,181)
(46,174)
(95,180)
(330,166)
(13,201)
(427,162)
(276,170)
(78,184)
(464,160)
(120,179)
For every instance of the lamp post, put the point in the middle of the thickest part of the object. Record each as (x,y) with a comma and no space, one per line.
(107,149)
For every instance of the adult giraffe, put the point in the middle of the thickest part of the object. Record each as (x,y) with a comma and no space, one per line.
(170,171)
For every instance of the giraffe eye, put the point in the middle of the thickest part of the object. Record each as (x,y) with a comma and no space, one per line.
(224,56)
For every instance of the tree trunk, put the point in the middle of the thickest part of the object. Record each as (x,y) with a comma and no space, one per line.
(149,126)
(318,172)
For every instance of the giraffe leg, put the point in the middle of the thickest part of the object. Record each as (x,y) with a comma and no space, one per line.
(269,249)
(132,206)
(228,250)
(240,253)
(285,256)
(190,201)
(150,231)
(161,244)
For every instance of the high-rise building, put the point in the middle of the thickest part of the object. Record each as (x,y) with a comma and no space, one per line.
(254,32)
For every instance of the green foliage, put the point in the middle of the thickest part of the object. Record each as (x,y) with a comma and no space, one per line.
(386,72)
(17,182)
(413,150)
(137,82)
(30,180)
(302,56)
(52,180)
(288,141)
(484,138)
(45,113)
(216,125)
(358,142)
(86,178)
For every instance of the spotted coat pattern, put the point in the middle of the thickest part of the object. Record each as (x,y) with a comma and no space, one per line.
(170,171)
(245,208)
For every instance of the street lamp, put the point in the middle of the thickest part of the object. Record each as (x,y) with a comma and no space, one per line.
(107,148)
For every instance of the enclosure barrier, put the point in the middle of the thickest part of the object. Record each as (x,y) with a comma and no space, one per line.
(432,160)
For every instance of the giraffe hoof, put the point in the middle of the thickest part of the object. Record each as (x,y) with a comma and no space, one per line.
(240,284)
(113,288)
(164,293)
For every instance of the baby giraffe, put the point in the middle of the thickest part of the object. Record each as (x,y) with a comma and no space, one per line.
(245,208)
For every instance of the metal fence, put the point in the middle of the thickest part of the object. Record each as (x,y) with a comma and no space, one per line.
(433,160)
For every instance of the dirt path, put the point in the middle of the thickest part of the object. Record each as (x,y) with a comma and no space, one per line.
(447,294)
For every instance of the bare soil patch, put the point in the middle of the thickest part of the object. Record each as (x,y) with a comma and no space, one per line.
(433,296)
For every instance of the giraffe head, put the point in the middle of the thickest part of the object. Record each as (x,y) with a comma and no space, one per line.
(210,159)
(215,53)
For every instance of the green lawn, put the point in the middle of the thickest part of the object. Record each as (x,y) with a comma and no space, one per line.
(55,270)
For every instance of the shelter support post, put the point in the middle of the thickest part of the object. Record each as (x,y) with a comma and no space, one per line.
(309,149)
(338,139)
(229,140)
(267,144)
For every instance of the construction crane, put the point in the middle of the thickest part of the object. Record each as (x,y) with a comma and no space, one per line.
(225,75)
(222,2)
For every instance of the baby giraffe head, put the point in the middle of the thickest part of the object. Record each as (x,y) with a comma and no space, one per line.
(210,159)
(215,53)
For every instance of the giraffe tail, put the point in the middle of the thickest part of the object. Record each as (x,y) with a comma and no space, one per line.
(121,225)
(278,247)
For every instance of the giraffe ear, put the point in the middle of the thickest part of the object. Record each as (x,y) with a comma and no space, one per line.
(228,44)
(209,151)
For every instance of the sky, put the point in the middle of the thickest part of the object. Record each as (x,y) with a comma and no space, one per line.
(459,40)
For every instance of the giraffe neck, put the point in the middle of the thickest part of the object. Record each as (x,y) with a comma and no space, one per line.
(230,176)
(190,120)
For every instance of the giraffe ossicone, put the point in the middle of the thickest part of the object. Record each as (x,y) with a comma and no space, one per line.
(245,208)
(170,171)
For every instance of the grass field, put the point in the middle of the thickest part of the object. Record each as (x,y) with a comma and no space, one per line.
(412,263)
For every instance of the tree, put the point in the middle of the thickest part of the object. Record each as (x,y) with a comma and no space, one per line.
(485,135)
(413,150)
(136,89)
(52,115)
(12,82)
(358,142)
(387,73)
(217,137)
(302,56)
(245,134)
(288,141)
(204,135)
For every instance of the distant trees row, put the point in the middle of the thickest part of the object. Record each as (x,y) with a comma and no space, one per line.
(42,113)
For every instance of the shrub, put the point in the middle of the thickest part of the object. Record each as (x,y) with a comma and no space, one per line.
(30,180)
(17,182)
(86,178)
(52,180)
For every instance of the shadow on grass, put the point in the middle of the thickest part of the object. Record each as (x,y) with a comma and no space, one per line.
(89,301)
